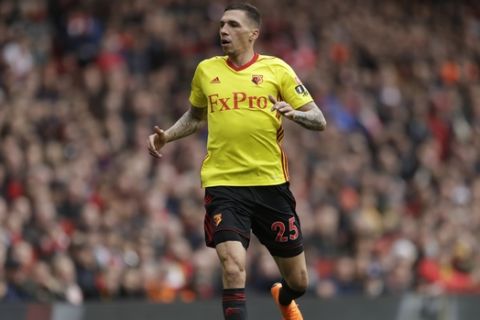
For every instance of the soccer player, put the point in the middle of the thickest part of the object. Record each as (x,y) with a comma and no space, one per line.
(244,97)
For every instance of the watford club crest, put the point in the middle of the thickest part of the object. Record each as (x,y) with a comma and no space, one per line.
(217,219)
(257,79)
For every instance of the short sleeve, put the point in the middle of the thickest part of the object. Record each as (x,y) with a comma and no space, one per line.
(197,97)
(292,89)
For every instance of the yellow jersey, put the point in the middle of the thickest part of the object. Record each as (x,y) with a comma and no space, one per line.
(244,135)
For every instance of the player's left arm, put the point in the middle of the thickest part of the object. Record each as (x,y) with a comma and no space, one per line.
(308,116)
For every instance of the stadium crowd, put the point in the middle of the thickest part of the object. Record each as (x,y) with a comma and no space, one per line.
(388,195)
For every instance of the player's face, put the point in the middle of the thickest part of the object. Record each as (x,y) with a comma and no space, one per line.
(237,32)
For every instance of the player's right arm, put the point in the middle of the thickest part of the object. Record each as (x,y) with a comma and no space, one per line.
(188,123)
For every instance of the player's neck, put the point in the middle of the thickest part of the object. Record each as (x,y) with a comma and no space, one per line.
(241,58)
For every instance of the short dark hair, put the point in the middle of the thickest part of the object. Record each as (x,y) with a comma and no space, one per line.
(251,11)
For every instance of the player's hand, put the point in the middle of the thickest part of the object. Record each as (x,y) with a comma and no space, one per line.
(156,141)
(283,108)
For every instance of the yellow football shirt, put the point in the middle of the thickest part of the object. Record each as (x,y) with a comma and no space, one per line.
(244,135)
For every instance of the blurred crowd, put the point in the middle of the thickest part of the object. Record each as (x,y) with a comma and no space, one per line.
(388,195)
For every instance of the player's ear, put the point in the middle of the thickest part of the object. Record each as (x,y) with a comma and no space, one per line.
(254,34)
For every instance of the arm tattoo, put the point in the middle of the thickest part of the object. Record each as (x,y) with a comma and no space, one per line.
(312,119)
(185,126)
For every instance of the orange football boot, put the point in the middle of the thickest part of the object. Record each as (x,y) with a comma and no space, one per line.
(290,312)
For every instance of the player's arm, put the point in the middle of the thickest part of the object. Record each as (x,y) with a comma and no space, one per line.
(308,116)
(187,124)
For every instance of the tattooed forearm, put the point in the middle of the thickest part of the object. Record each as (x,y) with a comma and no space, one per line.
(312,119)
(185,126)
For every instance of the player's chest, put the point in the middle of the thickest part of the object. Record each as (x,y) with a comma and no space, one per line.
(233,91)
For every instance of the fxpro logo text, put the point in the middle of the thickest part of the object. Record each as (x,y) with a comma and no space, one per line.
(238,99)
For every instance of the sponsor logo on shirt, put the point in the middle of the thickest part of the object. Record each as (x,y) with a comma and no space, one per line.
(235,101)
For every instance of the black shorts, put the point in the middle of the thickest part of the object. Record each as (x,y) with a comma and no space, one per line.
(269,211)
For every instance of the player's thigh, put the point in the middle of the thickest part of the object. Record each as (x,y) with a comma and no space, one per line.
(275,222)
(225,219)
